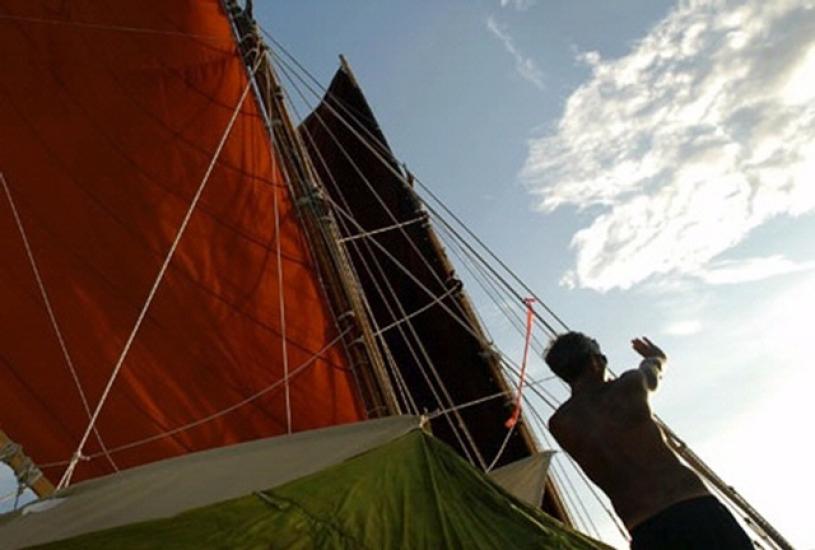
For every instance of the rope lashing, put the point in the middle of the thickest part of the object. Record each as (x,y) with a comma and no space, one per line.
(530,319)
(8,450)
(28,472)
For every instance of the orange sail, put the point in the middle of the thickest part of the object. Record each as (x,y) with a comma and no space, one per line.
(110,115)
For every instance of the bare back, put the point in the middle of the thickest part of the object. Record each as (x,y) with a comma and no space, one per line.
(612,435)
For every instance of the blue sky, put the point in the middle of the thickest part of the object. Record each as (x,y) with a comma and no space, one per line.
(646,166)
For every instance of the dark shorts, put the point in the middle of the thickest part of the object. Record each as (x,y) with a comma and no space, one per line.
(698,524)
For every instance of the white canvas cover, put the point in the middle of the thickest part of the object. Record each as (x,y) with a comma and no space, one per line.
(166,488)
(525,478)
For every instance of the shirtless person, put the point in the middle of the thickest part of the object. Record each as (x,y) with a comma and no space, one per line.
(608,428)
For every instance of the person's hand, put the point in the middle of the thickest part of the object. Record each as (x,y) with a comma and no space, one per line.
(648,349)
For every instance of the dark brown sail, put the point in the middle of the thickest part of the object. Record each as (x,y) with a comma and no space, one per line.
(428,324)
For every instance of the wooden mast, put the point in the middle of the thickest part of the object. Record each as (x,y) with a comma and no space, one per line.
(319,224)
(24,469)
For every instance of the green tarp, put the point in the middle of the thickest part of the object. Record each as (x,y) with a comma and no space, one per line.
(413,492)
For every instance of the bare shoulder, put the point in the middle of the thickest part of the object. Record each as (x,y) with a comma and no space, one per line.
(631,381)
(629,394)
(559,421)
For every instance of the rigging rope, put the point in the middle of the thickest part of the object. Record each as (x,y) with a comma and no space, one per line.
(217,414)
(529,317)
(436,215)
(66,478)
(490,288)
(398,175)
(364,179)
(394,296)
(516,413)
(280,290)
(350,217)
(390,167)
(442,220)
(52,316)
(373,232)
(419,311)
(501,449)
(478,401)
(461,322)
(407,399)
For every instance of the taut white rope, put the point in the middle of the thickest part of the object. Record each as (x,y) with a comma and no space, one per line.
(501,449)
(382,229)
(281,298)
(413,314)
(218,414)
(66,478)
(420,345)
(51,316)
(281,293)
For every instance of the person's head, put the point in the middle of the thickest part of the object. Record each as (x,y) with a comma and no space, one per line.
(573,355)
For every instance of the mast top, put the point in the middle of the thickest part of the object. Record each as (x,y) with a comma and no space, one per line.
(346,67)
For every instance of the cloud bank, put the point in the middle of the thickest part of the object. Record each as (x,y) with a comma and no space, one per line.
(677,151)
(524,66)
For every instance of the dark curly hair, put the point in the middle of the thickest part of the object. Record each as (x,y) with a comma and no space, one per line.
(569,354)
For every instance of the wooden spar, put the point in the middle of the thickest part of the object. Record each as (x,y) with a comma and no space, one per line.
(23,468)
(756,521)
(323,235)
(553,500)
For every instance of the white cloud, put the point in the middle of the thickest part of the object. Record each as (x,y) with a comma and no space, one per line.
(683,328)
(751,269)
(524,66)
(520,5)
(703,132)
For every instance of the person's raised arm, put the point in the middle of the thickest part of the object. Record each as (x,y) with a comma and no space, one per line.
(653,359)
